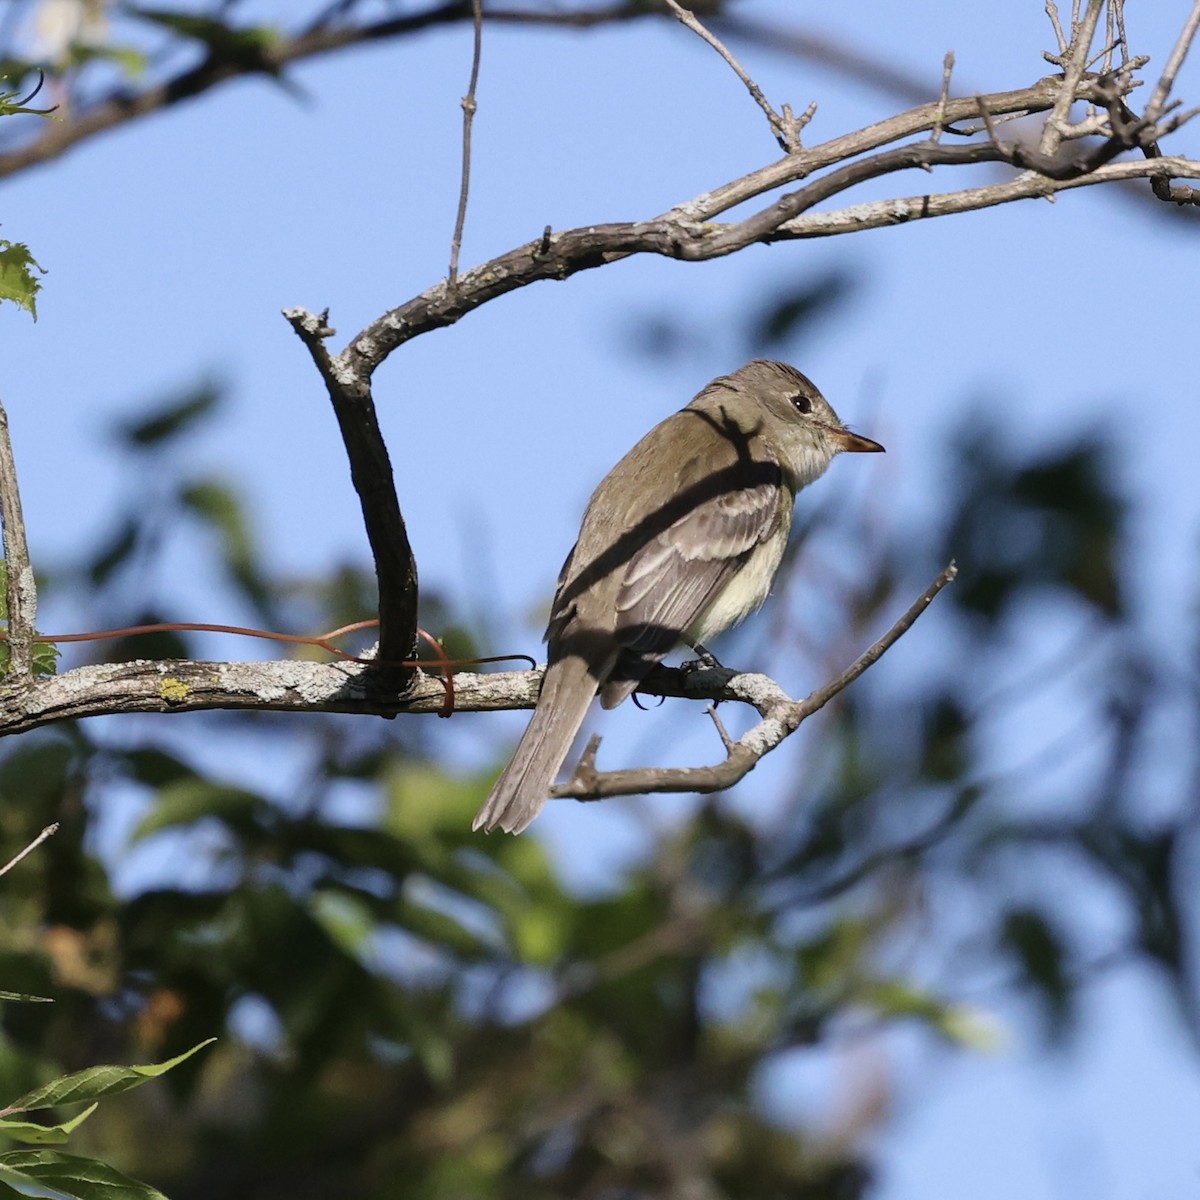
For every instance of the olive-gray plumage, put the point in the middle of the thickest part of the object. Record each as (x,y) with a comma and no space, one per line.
(680,541)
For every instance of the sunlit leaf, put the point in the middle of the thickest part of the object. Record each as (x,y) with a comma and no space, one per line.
(94,1083)
(44,1135)
(18,282)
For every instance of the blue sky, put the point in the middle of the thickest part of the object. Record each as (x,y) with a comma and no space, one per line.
(173,244)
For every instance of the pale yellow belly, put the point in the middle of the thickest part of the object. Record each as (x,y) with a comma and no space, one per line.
(744,593)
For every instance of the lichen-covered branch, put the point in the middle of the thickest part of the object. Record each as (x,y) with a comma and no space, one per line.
(186,685)
(20,590)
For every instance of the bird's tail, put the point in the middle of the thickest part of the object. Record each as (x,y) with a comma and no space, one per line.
(524,785)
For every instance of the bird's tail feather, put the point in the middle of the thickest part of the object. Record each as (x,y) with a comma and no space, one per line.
(524,785)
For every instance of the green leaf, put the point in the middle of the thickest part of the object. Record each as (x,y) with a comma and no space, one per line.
(133,62)
(1040,950)
(45,658)
(45,655)
(53,1174)
(192,799)
(172,419)
(12,103)
(247,47)
(444,931)
(25,997)
(44,1135)
(17,280)
(94,1083)
(798,309)
(156,767)
(114,552)
(220,506)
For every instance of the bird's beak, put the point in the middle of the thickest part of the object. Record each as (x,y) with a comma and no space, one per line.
(855,443)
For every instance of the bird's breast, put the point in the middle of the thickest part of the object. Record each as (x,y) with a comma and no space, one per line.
(744,593)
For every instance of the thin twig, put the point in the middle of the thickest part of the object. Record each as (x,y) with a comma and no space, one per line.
(818,699)
(785,131)
(1118,8)
(1059,36)
(20,589)
(1179,52)
(1083,33)
(722,732)
(940,121)
(48,832)
(469,106)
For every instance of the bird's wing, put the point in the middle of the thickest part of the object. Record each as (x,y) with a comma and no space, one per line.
(672,579)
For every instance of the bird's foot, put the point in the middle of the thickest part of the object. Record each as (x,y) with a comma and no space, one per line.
(705,660)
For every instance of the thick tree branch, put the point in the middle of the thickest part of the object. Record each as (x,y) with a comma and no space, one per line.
(186,685)
(20,590)
(781,717)
(371,472)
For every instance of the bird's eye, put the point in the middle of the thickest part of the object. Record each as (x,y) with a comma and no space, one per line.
(801,403)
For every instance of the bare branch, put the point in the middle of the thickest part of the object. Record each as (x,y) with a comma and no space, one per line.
(785,131)
(188,686)
(184,685)
(371,472)
(782,716)
(1075,60)
(722,732)
(48,832)
(940,121)
(468,106)
(1059,36)
(878,214)
(1156,107)
(20,588)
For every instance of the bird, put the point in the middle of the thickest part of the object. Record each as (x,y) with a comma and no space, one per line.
(679,542)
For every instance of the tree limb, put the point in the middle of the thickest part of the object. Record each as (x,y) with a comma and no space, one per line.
(781,717)
(188,686)
(371,472)
(20,589)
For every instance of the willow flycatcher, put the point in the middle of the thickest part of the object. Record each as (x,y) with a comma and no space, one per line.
(680,541)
